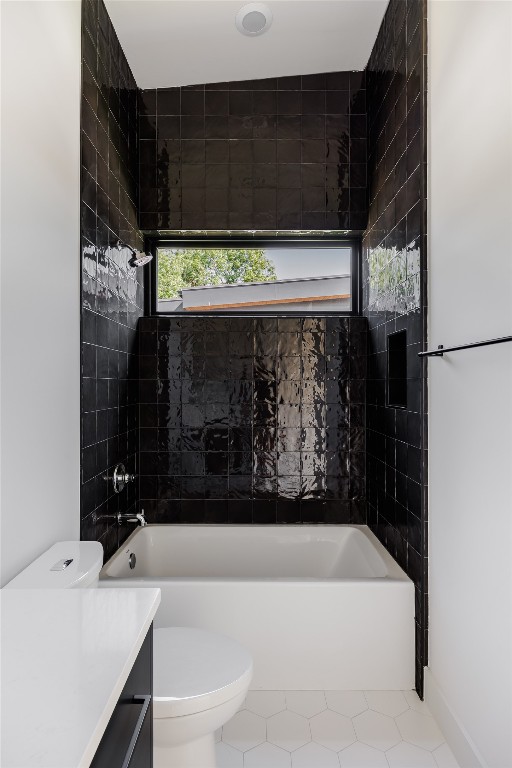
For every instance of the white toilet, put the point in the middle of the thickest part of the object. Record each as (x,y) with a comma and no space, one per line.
(200,678)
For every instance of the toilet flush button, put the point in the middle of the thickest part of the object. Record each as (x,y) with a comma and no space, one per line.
(61,565)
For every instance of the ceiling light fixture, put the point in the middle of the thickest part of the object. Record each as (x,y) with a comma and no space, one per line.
(253,19)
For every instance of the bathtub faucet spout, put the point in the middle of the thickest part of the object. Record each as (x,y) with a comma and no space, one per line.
(138,518)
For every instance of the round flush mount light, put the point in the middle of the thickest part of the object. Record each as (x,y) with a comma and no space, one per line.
(253,19)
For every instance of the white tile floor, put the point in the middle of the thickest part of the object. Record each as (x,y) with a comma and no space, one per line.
(333,729)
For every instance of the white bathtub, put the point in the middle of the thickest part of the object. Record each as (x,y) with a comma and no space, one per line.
(319,607)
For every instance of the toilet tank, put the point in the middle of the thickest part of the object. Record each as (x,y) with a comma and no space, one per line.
(66,565)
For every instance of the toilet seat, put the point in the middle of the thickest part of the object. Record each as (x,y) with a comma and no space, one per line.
(195,670)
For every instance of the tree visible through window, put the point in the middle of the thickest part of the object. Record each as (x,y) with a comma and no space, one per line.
(190,267)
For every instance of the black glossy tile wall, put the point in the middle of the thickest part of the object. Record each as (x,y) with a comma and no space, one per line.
(394,294)
(252,420)
(112,291)
(283,153)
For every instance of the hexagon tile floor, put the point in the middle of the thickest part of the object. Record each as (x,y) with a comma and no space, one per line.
(333,729)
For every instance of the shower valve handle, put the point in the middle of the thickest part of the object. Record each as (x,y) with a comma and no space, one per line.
(120,478)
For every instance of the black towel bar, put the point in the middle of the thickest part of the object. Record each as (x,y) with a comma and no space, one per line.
(440,351)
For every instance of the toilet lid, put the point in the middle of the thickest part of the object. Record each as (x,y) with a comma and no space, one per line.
(195,670)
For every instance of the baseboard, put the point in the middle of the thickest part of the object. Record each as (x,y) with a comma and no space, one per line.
(458,739)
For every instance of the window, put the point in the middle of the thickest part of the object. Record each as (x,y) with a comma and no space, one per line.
(253,276)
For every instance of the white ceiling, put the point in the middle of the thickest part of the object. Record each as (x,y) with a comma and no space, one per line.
(184,42)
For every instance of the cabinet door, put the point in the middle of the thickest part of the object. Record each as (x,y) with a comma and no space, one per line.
(128,738)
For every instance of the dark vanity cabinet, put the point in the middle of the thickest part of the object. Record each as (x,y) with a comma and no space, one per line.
(128,738)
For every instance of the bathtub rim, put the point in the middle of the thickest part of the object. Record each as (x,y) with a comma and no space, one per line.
(395,574)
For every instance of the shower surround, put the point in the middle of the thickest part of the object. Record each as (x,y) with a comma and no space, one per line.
(252,420)
(112,291)
(394,272)
(281,153)
(236,442)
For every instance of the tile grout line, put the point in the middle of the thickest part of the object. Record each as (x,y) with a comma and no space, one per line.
(385,752)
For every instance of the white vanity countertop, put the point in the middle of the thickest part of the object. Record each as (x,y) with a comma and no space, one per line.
(65,657)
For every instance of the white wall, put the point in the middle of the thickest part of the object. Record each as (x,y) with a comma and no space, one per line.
(40,278)
(470,392)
